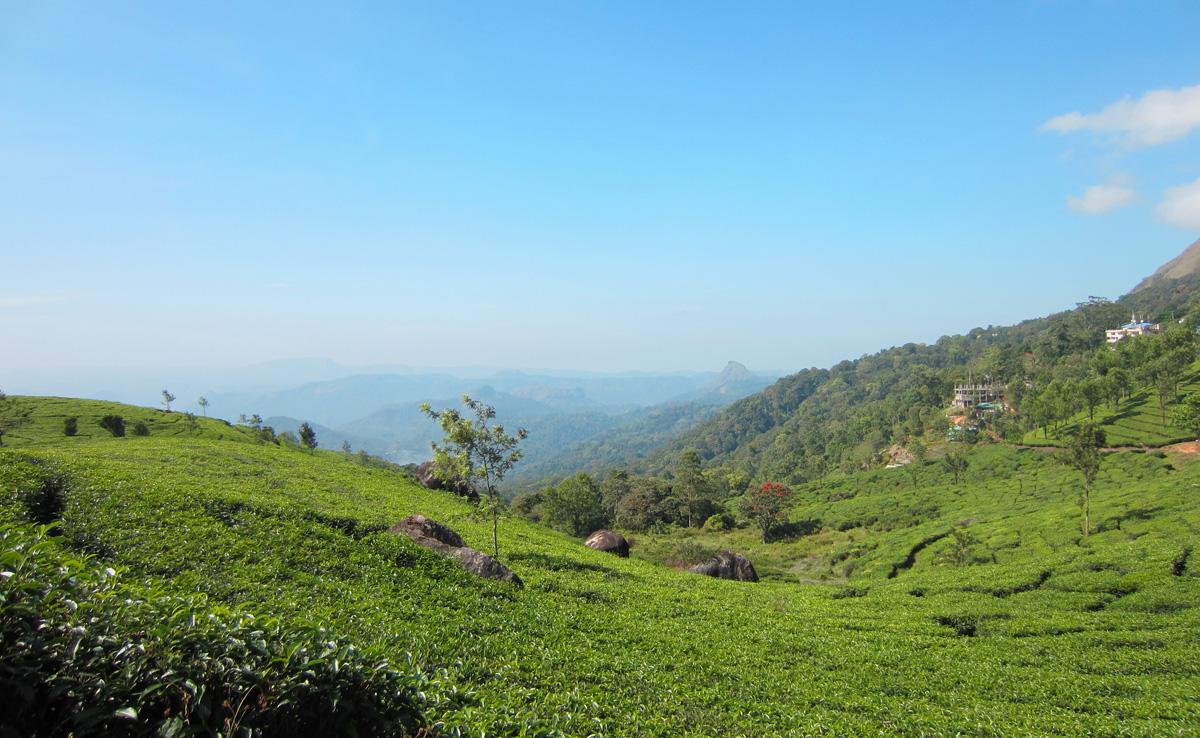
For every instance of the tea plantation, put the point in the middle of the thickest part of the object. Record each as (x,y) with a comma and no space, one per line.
(198,561)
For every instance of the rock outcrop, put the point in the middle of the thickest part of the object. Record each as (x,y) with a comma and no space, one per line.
(443,540)
(727,565)
(426,476)
(608,541)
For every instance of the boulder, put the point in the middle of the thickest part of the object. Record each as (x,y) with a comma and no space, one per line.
(609,542)
(426,476)
(727,565)
(419,526)
(443,540)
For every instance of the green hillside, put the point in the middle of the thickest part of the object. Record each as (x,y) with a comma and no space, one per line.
(1041,632)
(1136,421)
(818,421)
(47,414)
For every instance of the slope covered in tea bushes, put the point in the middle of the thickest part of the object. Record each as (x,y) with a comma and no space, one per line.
(1049,634)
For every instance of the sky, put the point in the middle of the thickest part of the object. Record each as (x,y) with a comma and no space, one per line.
(606,186)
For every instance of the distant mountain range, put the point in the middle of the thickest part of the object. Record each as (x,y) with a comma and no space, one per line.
(573,421)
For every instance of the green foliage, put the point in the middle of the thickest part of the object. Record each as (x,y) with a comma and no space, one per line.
(114,424)
(1084,455)
(1103,632)
(649,503)
(167,399)
(70,426)
(692,488)
(574,505)
(83,654)
(477,450)
(1187,414)
(766,505)
(141,429)
(13,415)
(956,464)
(308,437)
(720,522)
(960,550)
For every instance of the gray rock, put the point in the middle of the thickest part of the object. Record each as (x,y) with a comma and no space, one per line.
(425,474)
(442,540)
(608,541)
(727,565)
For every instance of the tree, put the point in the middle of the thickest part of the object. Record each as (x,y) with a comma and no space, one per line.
(167,399)
(478,450)
(919,451)
(1116,386)
(346,448)
(1186,414)
(1083,454)
(766,505)
(70,426)
(13,415)
(956,463)
(575,505)
(308,437)
(203,403)
(961,549)
(612,490)
(692,488)
(1092,392)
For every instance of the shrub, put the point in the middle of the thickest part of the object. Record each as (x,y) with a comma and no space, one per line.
(70,426)
(45,499)
(720,522)
(113,660)
(114,424)
(141,429)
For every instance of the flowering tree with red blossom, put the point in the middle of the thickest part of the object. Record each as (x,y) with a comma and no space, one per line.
(766,505)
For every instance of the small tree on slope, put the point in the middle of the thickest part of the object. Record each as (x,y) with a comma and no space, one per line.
(308,437)
(1083,454)
(478,450)
(766,506)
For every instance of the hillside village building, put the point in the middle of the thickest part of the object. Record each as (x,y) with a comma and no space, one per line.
(968,396)
(1134,327)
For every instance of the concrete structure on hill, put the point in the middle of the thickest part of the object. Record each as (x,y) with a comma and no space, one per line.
(1133,328)
(968,396)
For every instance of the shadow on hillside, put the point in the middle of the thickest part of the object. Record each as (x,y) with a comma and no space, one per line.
(793,530)
(562,563)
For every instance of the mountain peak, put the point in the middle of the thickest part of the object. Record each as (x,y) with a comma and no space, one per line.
(1184,265)
(734,372)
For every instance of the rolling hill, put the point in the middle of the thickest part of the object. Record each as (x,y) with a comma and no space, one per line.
(1037,631)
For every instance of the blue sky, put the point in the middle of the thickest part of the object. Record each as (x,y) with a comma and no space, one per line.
(605,186)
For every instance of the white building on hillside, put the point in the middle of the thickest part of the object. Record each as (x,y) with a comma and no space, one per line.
(1134,327)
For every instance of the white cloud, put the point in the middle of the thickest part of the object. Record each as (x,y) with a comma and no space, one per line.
(1181,206)
(1101,199)
(1157,117)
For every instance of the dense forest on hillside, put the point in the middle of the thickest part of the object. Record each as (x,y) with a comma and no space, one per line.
(817,420)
